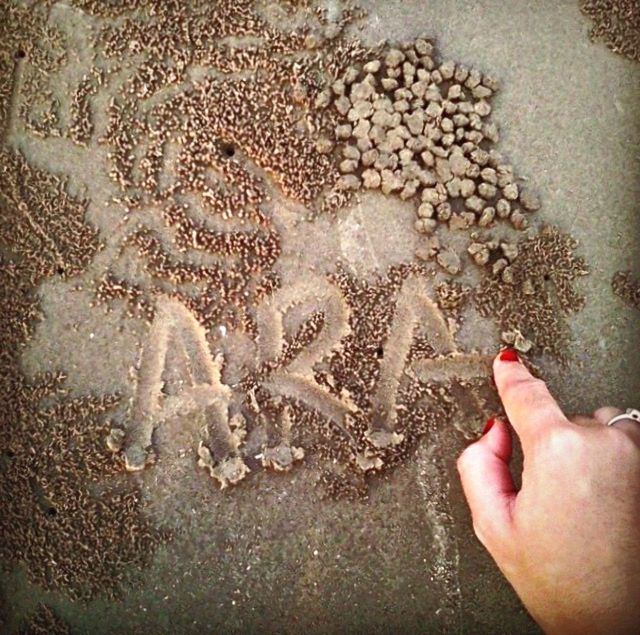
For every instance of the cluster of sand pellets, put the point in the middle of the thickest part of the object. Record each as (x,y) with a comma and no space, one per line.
(46,228)
(65,513)
(203,137)
(616,23)
(45,622)
(419,129)
(35,51)
(626,287)
(538,293)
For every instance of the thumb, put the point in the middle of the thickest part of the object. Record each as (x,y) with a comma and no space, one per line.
(487,483)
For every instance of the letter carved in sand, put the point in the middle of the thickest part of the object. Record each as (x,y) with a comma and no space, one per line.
(295,378)
(176,331)
(415,309)
(178,340)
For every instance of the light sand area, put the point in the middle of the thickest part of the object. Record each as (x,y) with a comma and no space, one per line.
(271,557)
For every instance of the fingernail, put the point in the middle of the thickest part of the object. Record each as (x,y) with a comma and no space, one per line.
(509,355)
(488,426)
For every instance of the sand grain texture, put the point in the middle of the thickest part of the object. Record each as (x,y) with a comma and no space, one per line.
(255,264)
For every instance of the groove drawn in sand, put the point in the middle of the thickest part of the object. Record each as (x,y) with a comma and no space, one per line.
(201,389)
(206,150)
(435,485)
(293,376)
(282,456)
(300,330)
(415,309)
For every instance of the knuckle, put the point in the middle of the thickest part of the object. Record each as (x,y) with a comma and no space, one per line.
(535,383)
(625,446)
(566,441)
(525,389)
(536,392)
(467,458)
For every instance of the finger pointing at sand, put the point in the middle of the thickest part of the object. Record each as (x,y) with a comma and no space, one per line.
(484,465)
(572,525)
(527,401)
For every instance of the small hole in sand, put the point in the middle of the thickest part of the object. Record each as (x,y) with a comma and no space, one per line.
(228,151)
(9,454)
(60,271)
(20,54)
(51,512)
(547,277)
(379,352)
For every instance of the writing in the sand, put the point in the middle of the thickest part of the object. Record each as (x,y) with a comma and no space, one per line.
(177,343)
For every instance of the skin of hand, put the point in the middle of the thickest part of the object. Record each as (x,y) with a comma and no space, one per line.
(569,540)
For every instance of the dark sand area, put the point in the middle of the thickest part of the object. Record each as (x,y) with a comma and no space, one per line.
(256,258)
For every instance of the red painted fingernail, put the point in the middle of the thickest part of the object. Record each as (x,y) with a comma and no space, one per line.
(509,355)
(488,426)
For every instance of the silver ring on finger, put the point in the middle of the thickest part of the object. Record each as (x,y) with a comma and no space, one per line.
(630,415)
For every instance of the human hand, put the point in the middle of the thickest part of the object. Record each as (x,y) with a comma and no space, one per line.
(569,540)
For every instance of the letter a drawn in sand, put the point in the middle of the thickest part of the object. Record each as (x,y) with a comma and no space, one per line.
(176,332)
(414,309)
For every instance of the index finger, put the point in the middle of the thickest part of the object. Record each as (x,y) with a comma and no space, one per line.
(531,408)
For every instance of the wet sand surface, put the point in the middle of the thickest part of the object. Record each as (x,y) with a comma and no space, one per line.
(267,380)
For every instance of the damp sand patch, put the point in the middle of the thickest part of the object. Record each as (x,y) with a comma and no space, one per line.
(209,118)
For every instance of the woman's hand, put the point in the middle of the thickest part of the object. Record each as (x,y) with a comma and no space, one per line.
(569,540)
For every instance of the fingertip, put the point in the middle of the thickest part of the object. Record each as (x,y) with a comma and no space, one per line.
(527,401)
(508,355)
(506,361)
